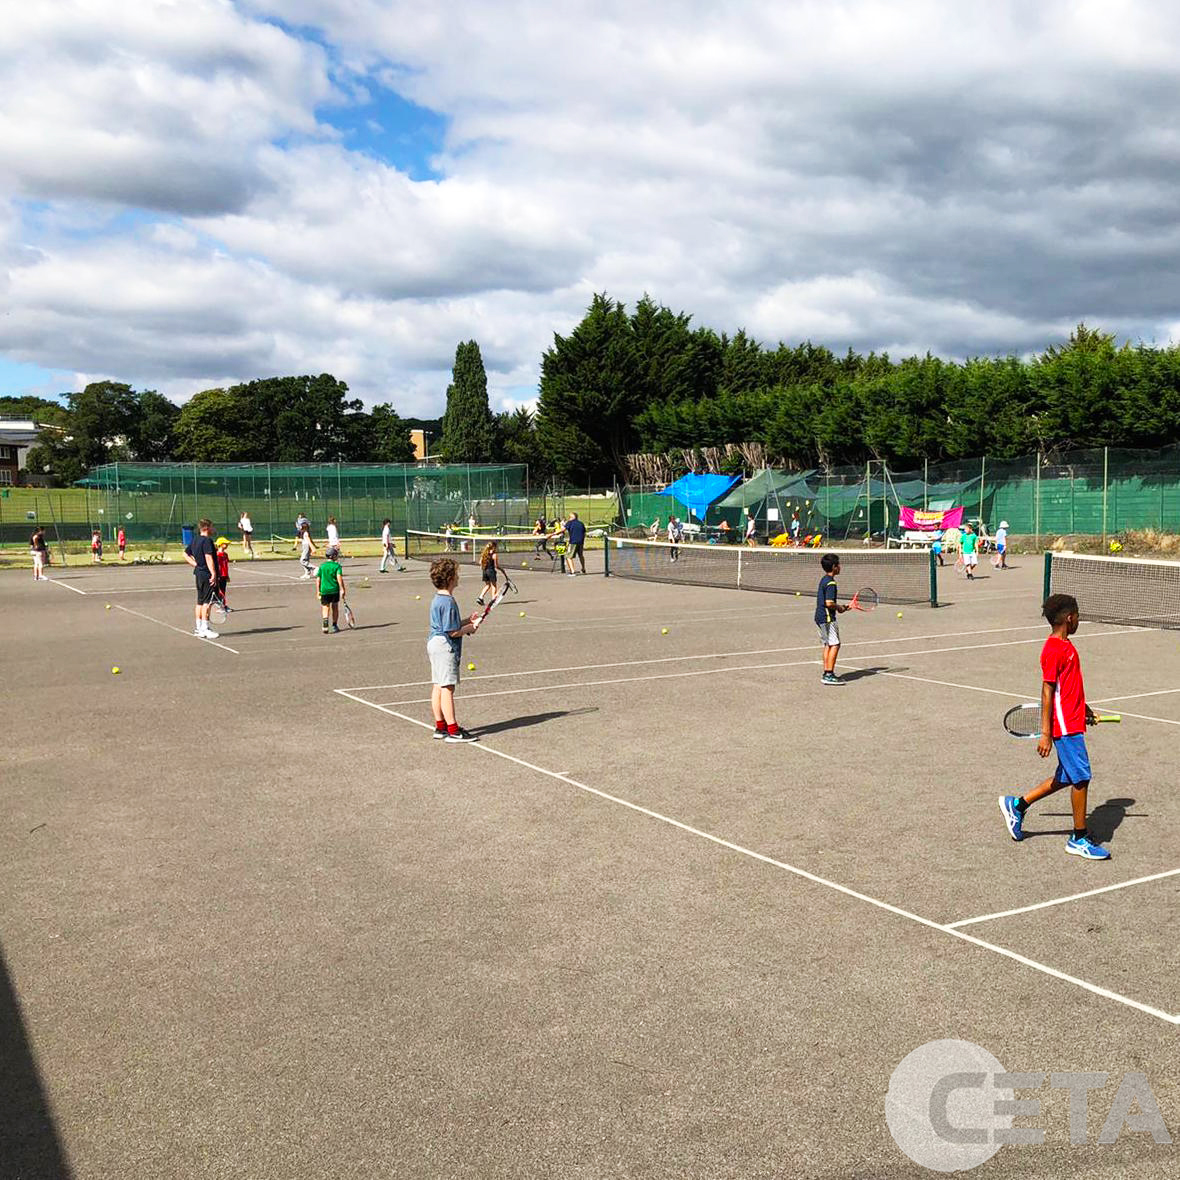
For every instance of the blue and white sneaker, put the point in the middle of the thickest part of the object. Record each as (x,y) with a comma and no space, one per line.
(1012,817)
(1084,847)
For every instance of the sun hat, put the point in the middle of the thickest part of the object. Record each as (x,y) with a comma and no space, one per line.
(1003,524)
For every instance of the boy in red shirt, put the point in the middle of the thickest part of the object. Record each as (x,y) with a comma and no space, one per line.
(222,561)
(1064,717)
(122,543)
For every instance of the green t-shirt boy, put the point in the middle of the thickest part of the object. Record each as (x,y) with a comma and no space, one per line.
(330,572)
(970,543)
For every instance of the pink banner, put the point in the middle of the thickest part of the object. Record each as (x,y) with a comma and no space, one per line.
(929,522)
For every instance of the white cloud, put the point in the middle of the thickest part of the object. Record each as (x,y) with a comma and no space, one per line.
(908,175)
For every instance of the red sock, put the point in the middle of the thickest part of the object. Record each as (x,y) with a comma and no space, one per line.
(452,729)
(441,726)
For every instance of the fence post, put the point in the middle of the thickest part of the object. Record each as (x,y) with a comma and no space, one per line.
(1105,458)
(1037,503)
(982,478)
(1048,573)
(926,484)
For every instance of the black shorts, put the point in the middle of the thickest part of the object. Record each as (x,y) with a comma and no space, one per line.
(577,551)
(204,590)
(329,599)
(489,575)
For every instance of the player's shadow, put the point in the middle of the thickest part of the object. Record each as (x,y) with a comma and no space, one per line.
(257,631)
(1102,822)
(861,673)
(29,1143)
(531,719)
(373,626)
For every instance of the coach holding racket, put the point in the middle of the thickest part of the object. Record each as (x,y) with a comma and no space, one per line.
(575,532)
(201,554)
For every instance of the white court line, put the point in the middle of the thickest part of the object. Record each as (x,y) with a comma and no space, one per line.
(66,586)
(787,868)
(178,630)
(999,692)
(1134,696)
(504,692)
(766,651)
(1041,905)
(712,671)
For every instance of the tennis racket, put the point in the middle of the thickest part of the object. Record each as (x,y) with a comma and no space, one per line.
(497,598)
(1024,721)
(866,599)
(997,560)
(960,564)
(349,617)
(218,611)
(509,584)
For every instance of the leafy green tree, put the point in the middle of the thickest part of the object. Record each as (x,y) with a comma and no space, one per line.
(591,392)
(468,430)
(391,436)
(39,409)
(149,431)
(213,427)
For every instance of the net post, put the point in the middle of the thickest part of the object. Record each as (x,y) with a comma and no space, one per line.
(933,578)
(606,556)
(1048,573)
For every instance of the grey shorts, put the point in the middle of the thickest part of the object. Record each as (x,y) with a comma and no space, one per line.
(444,663)
(829,634)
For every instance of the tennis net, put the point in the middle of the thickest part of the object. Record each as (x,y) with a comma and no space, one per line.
(898,575)
(1131,590)
(517,551)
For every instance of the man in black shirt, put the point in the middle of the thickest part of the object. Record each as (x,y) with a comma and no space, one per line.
(202,556)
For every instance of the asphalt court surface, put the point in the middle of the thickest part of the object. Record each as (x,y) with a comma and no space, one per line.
(685,919)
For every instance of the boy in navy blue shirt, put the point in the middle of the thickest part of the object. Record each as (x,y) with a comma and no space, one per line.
(575,530)
(826,610)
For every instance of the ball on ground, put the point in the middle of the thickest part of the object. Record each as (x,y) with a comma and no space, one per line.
(115,670)
(108,606)
(663,630)
(470,667)
(522,614)
(417,597)
(899,614)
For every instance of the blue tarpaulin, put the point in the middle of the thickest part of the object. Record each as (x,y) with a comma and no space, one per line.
(697,492)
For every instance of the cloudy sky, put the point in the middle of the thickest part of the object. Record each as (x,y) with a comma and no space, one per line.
(194,192)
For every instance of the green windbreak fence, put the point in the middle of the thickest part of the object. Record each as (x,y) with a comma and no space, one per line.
(1097,492)
(152,501)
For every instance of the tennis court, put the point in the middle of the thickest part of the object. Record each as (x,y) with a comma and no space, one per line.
(680,911)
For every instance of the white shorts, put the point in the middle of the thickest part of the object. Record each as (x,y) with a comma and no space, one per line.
(444,662)
(970,558)
(829,634)
(38,561)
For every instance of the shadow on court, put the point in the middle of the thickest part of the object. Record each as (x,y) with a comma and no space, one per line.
(1103,822)
(860,673)
(532,719)
(29,1145)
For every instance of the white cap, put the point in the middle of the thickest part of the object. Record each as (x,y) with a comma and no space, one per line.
(1003,524)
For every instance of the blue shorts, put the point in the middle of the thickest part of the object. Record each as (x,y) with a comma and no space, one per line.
(1073,761)
(1002,547)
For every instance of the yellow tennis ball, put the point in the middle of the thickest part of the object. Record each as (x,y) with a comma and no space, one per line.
(899,614)
(663,630)
(108,606)
(417,597)
(522,614)
(470,667)
(524,563)
(115,670)
(796,593)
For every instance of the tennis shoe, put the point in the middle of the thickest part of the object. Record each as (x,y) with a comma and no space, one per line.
(1012,817)
(439,734)
(335,629)
(1084,847)
(461,736)
(209,633)
(830,678)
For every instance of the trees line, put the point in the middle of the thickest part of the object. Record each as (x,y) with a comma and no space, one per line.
(648,381)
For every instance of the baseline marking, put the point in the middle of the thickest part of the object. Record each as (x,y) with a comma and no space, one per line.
(787,868)
(1041,905)
(66,586)
(1134,696)
(503,692)
(766,651)
(179,630)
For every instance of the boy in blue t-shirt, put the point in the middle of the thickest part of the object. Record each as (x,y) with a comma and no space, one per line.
(826,610)
(444,649)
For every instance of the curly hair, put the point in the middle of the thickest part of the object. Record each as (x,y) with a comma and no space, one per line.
(444,572)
